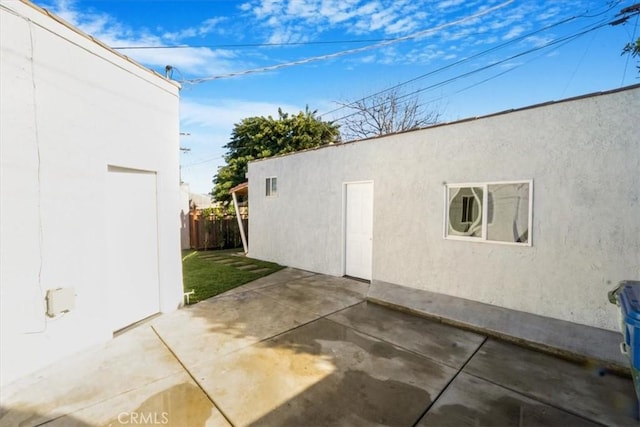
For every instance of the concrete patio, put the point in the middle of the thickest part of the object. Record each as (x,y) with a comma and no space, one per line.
(297,348)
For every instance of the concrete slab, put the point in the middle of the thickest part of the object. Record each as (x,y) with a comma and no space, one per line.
(248,267)
(211,256)
(126,363)
(442,343)
(323,374)
(558,335)
(281,276)
(262,354)
(174,401)
(225,261)
(220,325)
(471,401)
(579,389)
(319,294)
(261,270)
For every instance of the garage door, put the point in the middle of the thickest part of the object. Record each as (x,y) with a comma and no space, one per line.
(358,229)
(132,246)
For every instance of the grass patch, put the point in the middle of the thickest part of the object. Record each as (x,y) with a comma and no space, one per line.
(208,274)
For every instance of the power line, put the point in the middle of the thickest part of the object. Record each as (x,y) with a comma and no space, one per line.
(561,41)
(584,15)
(485,67)
(207,160)
(218,46)
(478,83)
(626,64)
(350,51)
(453,64)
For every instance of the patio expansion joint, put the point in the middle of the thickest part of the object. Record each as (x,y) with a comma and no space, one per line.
(403,348)
(297,307)
(276,335)
(450,382)
(529,396)
(259,288)
(195,380)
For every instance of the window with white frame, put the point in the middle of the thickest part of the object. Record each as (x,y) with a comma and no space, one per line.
(271,186)
(498,212)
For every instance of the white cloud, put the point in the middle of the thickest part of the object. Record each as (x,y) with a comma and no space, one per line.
(368,59)
(266,8)
(552,12)
(303,9)
(116,34)
(352,16)
(210,124)
(538,41)
(402,26)
(381,19)
(509,65)
(206,27)
(513,32)
(337,11)
(287,21)
(225,113)
(449,3)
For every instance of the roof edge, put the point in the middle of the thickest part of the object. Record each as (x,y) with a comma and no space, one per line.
(97,41)
(239,187)
(530,107)
(467,119)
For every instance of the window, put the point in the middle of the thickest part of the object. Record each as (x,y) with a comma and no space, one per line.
(272,187)
(489,212)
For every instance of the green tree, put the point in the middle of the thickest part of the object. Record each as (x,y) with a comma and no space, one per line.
(260,137)
(633,49)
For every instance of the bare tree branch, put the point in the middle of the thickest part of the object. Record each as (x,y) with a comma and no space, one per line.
(386,113)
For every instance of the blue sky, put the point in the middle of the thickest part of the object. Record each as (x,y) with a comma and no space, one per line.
(463,58)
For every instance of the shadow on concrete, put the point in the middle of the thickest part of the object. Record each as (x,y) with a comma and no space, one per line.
(320,404)
(313,371)
(10,417)
(290,350)
(505,411)
(320,372)
(368,385)
(179,405)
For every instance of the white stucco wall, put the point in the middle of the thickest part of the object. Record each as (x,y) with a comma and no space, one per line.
(583,156)
(69,109)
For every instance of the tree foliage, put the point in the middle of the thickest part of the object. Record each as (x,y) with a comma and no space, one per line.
(633,49)
(260,137)
(385,113)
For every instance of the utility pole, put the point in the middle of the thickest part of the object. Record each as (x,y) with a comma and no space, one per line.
(633,47)
(626,13)
(184,150)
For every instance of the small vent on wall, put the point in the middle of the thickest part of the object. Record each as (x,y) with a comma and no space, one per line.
(59,301)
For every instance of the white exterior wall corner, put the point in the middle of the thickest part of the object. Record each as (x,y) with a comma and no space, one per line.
(69,109)
(583,156)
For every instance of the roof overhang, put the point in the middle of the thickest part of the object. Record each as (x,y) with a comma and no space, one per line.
(242,189)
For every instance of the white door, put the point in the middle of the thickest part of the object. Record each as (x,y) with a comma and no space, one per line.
(132,246)
(358,229)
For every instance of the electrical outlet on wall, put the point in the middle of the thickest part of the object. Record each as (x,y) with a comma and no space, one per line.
(60,300)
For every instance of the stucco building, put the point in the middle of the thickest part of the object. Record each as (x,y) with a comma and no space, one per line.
(531,214)
(90,205)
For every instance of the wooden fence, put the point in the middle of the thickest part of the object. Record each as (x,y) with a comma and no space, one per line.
(212,233)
